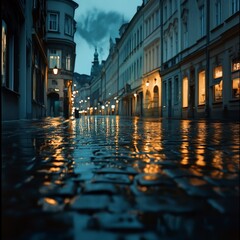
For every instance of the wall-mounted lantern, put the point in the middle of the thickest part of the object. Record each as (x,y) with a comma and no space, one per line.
(55,70)
(147,83)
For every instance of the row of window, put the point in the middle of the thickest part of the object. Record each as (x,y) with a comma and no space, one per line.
(152,22)
(133,72)
(171,5)
(55,57)
(217,85)
(132,43)
(171,39)
(152,59)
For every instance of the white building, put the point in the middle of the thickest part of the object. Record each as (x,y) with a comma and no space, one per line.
(130,51)
(152,59)
(176,59)
(201,61)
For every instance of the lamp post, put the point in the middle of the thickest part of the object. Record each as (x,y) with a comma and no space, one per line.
(66,102)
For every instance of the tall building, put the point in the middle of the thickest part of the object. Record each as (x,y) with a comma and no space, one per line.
(176,59)
(23,60)
(37,36)
(61,51)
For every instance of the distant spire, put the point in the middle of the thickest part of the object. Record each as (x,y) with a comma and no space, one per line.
(95,56)
(95,64)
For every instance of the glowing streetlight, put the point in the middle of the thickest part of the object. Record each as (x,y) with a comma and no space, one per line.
(55,70)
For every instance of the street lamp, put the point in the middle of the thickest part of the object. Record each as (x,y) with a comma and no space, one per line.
(55,70)
(147,83)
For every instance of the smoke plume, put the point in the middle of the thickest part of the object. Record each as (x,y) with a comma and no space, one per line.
(97,26)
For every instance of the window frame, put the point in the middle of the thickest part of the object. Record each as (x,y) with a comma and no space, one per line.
(57,56)
(185,92)
(202,87)
(68,62)
(235,77)
(218,83)
(50,22)
(68,25)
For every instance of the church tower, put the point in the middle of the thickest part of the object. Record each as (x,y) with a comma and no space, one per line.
(95,64)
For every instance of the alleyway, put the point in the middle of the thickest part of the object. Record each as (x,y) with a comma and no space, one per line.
(112,178)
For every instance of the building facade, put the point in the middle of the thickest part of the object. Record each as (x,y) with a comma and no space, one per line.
(37,36)
(23,60)
(61,51)
(200,67)
(176,59)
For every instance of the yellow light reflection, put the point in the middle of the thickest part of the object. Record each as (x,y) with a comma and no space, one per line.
(185,161)
(151,177)
(142,188)
(152,168)
(184,147)
(50,201)
(217,161)
(54,169)
(200,161)
(58,164)
(58,182)
(46,183)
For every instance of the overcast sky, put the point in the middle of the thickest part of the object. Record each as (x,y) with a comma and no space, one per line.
(97,21)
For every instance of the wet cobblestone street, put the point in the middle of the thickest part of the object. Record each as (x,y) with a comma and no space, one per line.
(118,178)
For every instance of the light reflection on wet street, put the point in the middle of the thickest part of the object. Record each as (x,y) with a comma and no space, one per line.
(111,177)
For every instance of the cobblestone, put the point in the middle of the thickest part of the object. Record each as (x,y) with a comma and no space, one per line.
(110,177)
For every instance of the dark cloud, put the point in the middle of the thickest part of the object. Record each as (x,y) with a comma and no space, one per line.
(97,26)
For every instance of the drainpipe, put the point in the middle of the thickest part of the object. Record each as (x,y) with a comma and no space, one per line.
(207,109)
(161,53)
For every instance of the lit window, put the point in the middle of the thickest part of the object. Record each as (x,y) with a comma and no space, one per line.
(217,83)
(185,92)
(53,22)
(68,62)
(236,79)
(201,88)
(54,58)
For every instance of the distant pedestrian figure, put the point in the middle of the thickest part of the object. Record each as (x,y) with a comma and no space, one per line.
(76,113)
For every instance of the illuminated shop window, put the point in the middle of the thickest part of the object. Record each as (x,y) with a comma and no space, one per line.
(201,87)
(217,83)
(236,79)
(185,92)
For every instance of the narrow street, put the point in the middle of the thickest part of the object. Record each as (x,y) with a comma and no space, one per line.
(112,178)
